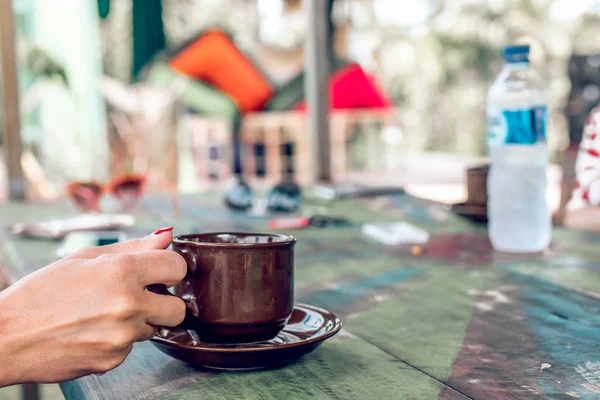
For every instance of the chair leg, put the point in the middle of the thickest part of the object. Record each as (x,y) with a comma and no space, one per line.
(30,391)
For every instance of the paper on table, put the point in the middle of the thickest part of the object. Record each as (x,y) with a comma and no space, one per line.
(59,227)
(396,233)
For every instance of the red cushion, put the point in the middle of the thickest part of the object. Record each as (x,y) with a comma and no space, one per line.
(351,88)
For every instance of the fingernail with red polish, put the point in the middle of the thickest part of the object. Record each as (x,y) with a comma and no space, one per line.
(163,230)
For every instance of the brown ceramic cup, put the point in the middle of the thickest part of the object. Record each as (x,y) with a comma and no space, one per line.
(239,287)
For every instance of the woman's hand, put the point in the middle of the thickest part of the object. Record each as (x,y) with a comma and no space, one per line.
(82,314)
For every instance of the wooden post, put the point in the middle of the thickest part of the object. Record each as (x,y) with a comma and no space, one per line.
(273,151)
(317,94)
(10,103)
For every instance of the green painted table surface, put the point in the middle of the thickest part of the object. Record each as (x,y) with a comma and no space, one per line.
(455,322)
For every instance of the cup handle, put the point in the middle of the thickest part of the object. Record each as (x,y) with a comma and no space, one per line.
(189,322)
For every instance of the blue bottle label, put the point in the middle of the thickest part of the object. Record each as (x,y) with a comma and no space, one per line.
(526,126)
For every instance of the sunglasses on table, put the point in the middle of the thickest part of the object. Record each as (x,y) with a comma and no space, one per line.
(127,189)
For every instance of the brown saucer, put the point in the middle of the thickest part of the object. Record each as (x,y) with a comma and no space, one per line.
(306,329)
(474,212)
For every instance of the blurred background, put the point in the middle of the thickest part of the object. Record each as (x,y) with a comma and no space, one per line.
(94,73)
(163,87)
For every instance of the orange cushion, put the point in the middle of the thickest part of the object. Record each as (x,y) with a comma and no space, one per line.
(214,58)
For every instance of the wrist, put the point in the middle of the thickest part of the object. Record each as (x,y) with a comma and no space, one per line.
(10,345)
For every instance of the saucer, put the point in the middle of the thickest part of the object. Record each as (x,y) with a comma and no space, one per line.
(306,329)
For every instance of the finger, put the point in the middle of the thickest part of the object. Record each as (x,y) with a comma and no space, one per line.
(164,310)
(158,266)
(157,240)
(147,332)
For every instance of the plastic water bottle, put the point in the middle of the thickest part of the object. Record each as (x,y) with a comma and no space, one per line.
(519,220)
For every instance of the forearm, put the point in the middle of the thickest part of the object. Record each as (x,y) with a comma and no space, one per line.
(586,218)
(9,345)
(14,354)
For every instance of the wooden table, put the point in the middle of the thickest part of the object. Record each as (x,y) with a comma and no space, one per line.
(455,322)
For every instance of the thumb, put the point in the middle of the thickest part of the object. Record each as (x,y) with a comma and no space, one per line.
(161,239)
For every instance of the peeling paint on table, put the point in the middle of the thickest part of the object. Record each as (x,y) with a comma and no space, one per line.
(455,321)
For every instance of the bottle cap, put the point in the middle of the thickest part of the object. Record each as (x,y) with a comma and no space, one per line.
(516,54)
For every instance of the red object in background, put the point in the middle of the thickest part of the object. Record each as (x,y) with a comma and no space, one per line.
(289,223)
(126,188)
(586,196)
(317,221)
(351,88)
(593,153)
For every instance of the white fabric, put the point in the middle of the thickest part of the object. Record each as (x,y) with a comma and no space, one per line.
(587,168)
